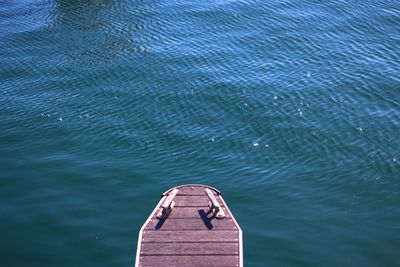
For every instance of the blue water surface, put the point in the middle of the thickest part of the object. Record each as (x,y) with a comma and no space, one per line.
(290,108)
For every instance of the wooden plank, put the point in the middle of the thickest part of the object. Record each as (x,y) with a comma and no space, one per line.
(190,249)
(191,236)
(191,224)
(193,191)
(189,212)
(193,201)
(189,261)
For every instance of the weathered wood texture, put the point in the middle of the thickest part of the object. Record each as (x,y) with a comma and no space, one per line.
(190,235)
(190,212)
(191,201)
(210,248)
(190,224)
(193,191)
(189,261)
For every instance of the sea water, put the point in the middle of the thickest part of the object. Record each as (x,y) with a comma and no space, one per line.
(290,108)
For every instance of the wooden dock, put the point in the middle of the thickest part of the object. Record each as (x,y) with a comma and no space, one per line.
(190,226)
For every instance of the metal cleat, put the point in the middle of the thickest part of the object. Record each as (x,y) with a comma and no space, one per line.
(167,205)
(214,205)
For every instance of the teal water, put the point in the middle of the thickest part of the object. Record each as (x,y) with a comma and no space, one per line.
(290,108)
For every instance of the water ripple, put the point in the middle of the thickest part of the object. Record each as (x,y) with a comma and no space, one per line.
(289,104)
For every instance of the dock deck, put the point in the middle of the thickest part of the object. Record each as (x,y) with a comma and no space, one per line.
(199,230)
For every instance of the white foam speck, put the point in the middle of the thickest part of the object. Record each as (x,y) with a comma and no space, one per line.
(300,112)
(256,144)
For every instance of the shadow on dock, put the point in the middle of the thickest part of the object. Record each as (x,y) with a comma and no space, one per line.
(206,219)
(160,223)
